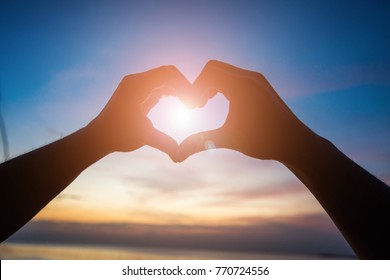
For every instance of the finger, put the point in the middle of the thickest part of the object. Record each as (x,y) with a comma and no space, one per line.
(265,85)
(149,104)
(190,98)
(155,97)
(199,142)
(224,74)
(161,77)
(204,97)
(216,77)
(161,141)
(177,84)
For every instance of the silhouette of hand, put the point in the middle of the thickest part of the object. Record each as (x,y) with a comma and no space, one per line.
(259,123)
(123,125)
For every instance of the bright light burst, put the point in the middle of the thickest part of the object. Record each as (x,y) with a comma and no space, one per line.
(181,116)
(174,118)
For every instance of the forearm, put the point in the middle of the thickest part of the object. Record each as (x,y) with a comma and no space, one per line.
(31,181)
(357,202)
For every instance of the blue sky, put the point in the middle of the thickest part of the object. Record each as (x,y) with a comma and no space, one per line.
(60,61)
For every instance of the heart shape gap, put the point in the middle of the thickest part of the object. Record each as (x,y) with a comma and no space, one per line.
(175,119)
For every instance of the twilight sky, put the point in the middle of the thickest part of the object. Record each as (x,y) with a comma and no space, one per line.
(60,61)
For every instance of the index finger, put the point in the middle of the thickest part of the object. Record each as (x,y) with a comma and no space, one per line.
(231,81)
(143,84)
(218,76)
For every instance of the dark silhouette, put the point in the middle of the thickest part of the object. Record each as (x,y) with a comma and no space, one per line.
(31,181)
(259,124)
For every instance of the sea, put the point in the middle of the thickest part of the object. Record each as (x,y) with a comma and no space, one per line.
(26,251)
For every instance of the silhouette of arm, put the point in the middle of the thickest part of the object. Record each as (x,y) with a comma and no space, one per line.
(357,202)
(31,181)
(260,125)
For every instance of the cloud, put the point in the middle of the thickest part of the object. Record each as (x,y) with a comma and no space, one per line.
(280,193)
(273,190)
(220,167)
(298,235)
(211,181)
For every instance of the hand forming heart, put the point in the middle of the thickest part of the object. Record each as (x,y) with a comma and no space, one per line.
(259,124)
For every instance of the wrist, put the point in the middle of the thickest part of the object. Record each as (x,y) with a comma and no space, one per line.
(307,149)
(96,141)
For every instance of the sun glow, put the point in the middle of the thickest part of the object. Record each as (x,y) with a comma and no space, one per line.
(174,118)
(181,117)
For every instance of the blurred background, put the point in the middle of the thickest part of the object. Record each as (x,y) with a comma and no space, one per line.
(60,61)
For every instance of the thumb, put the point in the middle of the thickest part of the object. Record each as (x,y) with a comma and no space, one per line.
(162,142)
(198,142)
